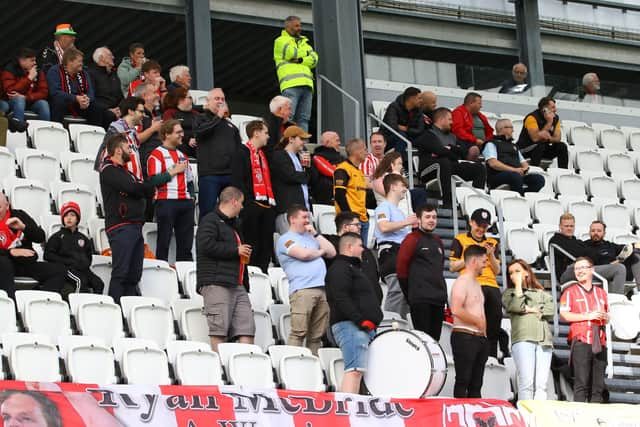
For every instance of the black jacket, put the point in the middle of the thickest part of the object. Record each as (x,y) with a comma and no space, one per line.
(575,247)
(276,125)
(431,144)
(218,262)
(70,248)
(607,251)
(369,265)
(286,181)
(242,173)
(48,58)
(106,87)
(32,233)
(186,120)
(322,186)
(349,293)
(218,140)
(397,114)
(123,195)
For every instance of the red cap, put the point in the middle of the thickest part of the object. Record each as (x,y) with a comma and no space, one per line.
(70,207)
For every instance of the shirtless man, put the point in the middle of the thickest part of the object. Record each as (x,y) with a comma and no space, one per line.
(469,337)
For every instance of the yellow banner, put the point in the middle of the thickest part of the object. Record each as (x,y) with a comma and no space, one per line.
(549,413)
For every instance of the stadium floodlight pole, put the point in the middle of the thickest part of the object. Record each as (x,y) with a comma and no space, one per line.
(405,139)
(321,78)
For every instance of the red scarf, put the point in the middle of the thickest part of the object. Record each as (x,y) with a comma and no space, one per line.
(9,238)
(83,86)
(262,190)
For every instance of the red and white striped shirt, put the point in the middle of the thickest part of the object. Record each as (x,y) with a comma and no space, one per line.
(160,161)
(368,167)
(578,300)
(135,164)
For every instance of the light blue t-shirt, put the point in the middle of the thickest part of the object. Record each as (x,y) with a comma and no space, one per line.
(301,274)
(491,152)
(298,166)
(387,211)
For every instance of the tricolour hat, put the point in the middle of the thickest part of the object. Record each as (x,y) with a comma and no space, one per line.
(481,216)
(62,29)
(293,131)
(70,207)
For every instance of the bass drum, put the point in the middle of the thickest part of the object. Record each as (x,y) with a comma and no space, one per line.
(405,364)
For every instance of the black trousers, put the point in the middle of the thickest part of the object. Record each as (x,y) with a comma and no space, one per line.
(127,249)
(493,314)
(50,276)
(258,225)
(60,108)
(470,353)
(85,280)
(469,171)
(588,372)
(428,318)
(175,217)
(548,151)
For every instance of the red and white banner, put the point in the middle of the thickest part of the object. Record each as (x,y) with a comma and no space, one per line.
(79,405)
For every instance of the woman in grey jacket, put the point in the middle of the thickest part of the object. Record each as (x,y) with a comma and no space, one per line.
(530,308)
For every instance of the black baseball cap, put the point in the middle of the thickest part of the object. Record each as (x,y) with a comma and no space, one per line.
(481,216)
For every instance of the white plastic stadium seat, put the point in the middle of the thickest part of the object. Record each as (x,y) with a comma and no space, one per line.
(47,316)
(240,121)
(101,266)
(148,318)
(194,363)
(7,164)
(283,290)
(620,165)
(250,370)
(64,192)
(7,315)
(583,136)
(613,139)
(46,135)
(547,211)
(159,282)
(625,319)
(187,275)
(516,208)
(496,383)
(86,138)
(98,234)
(301,372)
(264,330)
(277,352)
(336,372)
(76,300)
(629,189)
(142,362)
(88,359)
(260,290)
(38,164)
(584,212)
(615,215)
(602,187)
(194,324)
(277,311)
(521,243)
(78,169)
(475,201)
(16,140)
(32,357)
(227,350)
(589,163)
(28,195)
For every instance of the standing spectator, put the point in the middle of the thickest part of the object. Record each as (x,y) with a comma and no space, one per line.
(290,175)
(124,196)
(223,280)
(295,58)
(469,124)
(377,146)
(217,141)
(178,105)
(150,74)
(591,89)
(174,195)
(180,76)
(478,224)
(405,117)
(355,309)
(469,335)
(64,38)
(420,267)
(530,309)
(71,90)
(26,86)
(429,103)
(69,247)
(129,69)
(392,226)
(349,222)
(251,175)
(505,164)
(323,164)
(18,232)
(278,121)
(517,84)
(540,136)
(586,308)
(300,252)
(106,84)
(349,185)
(149,127)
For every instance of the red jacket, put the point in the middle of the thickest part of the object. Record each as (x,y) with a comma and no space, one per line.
(463,123)
(15,79)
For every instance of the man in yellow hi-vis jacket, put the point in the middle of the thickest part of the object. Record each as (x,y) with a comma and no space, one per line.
(294,58)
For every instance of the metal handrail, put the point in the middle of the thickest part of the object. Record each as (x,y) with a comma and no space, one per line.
(321,78)
(554,292)
(405,139)
(455,179)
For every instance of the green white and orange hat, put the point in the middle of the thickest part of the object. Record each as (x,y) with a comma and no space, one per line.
(64,29)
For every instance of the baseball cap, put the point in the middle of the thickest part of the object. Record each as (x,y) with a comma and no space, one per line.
(70,207)
(64,29)
(481,216)
(293,131)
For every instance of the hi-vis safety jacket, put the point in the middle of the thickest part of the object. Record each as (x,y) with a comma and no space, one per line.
(291,74)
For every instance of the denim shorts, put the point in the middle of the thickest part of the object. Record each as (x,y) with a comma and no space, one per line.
(354,343)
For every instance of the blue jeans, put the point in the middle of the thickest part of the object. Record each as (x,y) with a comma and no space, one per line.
(40,107)
(209,188)
(301,100)
(127,252)
(354,343)
(364,232)
(4,106)
(533,362)
(516,182)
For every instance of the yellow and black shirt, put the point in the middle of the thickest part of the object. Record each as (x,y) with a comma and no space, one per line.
(350,190)
(461,242)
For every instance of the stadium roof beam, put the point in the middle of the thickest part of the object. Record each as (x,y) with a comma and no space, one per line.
(199,43)
(610,4)
(529,41)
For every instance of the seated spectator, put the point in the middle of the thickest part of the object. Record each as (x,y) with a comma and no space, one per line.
(178,105)
(64,38)
(591,89)
(69,247)
(106,84)
(405,117)
(439,145)
(517,84)
(18,231)
(540,137)
(323,164)
(71,90)
(150,74)
(129,69)
(377,146)
(505,164)
(278,121)
(429,103)
(25,86)
(614,273)
(469,125)
(180,76)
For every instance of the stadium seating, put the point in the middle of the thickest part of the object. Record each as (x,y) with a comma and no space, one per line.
(32,357)
(141,361)
(88,360)
(148,318)
(194,363)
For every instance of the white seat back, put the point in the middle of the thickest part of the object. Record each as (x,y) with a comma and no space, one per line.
(38,164)
(194,325)
(7,315)
(145,366)
(301,372)
(35,362)
(602,187)
(336,372)
(64,192)
(521,243)
(250,370)
(194,363)
(148,318)
(613,139)
(227,350)
(548,211)
(30,196)
(264,331)
(496,383)
(159,282)
(277,352)
(583,136)
(260,291)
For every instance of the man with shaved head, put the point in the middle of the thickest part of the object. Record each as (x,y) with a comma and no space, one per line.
(429,102)
(325,158)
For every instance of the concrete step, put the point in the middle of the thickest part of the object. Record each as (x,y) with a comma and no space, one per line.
(623,385)
(618,397)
